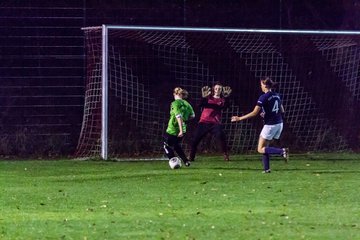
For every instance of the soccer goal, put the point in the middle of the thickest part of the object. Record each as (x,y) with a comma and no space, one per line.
(132,70)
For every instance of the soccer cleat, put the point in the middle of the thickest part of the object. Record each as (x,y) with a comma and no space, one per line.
(267,171)
(187,163)
(226,157)
(286,154)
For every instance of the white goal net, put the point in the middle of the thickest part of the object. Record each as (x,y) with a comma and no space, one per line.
(317,72)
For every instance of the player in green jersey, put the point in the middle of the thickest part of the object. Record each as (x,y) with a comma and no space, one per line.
(180,112)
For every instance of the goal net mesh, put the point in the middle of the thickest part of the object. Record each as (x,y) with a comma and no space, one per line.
(318,78)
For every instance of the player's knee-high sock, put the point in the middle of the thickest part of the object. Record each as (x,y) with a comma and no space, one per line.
(222,140)
(180,152)
(199,134)
(273,150)
(168,151)
(193,150)
(266,161)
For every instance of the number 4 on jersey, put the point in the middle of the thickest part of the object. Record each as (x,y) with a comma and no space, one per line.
(276,107)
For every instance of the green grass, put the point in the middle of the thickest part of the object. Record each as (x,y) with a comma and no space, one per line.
(312,197)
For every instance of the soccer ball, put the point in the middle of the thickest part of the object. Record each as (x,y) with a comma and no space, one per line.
(175,163)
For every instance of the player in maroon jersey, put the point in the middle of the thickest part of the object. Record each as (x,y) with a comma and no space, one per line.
(213,102)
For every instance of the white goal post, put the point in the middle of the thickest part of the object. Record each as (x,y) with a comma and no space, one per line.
(238,40)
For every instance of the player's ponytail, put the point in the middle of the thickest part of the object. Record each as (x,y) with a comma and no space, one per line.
(270,84)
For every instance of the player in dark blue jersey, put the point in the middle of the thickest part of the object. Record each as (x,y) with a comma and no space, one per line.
(271,109)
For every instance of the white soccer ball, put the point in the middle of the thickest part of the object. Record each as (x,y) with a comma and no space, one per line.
(175,163)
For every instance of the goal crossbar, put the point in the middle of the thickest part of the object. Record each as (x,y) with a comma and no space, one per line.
(229,30)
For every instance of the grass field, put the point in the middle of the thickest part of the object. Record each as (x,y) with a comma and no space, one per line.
(311,197)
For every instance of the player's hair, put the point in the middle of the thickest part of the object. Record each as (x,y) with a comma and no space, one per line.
(270,84)
(217,83)
(181,92)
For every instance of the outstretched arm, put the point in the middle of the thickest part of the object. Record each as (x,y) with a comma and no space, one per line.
(252,114)
(205,91)
(226,91)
